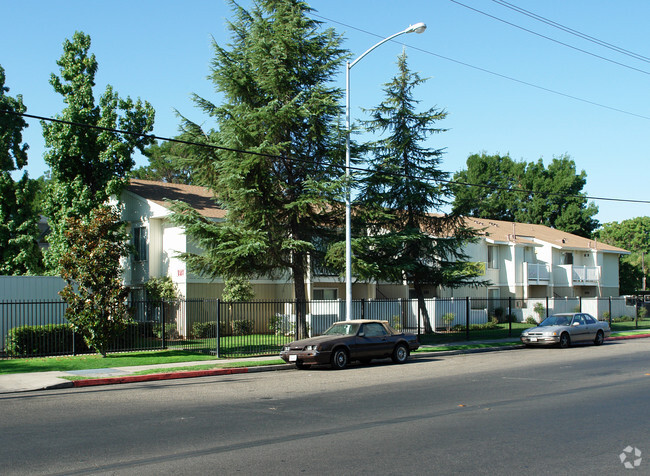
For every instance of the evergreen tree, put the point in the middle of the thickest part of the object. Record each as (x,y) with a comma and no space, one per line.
(19,250)
(404,239)
(87,164)
(278,101)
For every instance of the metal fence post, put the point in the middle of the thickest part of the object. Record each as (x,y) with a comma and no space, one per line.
(509,317)
(467,318)
(162,320)
(546,306)
(218,343)
(610,311)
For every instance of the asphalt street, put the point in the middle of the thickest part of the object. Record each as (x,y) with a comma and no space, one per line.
(524,411)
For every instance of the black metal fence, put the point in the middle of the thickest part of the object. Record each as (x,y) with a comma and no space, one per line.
(230,329)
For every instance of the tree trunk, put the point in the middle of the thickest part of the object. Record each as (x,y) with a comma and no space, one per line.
(298,270)
(419,292)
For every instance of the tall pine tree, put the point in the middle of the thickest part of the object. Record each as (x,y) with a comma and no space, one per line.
(404,239)
(275,79)
(87,165)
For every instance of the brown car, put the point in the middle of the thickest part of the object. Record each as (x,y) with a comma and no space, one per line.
(345,341)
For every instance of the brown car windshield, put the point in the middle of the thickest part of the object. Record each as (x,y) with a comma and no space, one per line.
(342,330)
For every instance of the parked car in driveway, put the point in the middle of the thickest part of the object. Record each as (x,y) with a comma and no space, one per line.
(346,341)
(566,329)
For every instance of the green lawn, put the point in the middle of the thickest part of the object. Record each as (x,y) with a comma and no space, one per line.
(95,361)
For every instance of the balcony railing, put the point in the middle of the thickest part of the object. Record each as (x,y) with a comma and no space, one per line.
(538,273)
(585,275)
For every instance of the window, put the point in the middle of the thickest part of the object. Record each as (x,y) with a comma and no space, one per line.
(140,243)
(493,257)
(326,294)
(567,258)
(374,330)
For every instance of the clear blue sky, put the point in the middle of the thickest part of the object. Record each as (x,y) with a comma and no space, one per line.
(161,50)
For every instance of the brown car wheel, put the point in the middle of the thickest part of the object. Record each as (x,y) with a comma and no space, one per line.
(400,354)
(339,359)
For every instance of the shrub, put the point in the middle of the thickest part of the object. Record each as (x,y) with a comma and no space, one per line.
(643,312)
(498,314)
(204,330)
(540,310)
(448,319)
(242,327)
(281,325)
(52,339)
(606,316)
(531,320)
(170,330)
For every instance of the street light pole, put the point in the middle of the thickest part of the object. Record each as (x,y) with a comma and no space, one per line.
(417,28)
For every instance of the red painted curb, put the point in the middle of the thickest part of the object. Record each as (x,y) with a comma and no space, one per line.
(634,336)
(153,377)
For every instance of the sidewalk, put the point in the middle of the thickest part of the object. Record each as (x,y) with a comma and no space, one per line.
(26,382)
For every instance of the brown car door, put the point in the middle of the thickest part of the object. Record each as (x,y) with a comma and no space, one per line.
(373,341)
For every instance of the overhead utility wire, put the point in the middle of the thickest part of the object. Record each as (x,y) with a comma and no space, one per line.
(551,39)
(571,31)
(293,159)
(493,73)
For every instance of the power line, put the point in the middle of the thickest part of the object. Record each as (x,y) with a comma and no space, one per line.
(293,159)
(551,39)
(571,31)
(493,73)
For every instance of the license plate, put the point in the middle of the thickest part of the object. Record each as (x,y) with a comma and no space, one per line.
(293,358)
(533,339)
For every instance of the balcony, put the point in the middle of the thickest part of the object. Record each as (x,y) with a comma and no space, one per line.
(585,275)
(538,274)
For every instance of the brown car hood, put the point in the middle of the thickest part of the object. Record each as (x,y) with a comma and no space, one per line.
(319,340)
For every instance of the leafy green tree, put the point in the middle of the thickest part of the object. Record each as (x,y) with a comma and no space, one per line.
(632,235)
(167,163)
(19,250)
(499,188)
(237,288)
(87,164)
(275,79)
(96,298)
(495,177)
(161,289)
(403,239)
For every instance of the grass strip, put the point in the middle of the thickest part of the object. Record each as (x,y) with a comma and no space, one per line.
(189,368)
(442,348)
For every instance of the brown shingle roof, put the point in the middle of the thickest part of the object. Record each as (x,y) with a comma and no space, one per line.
(199,198)
(506,231)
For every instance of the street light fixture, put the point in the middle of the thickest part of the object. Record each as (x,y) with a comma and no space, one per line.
(417,28)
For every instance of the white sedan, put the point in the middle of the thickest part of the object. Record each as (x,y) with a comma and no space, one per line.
(566,329)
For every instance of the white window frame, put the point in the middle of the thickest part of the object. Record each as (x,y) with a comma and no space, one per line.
(323,294)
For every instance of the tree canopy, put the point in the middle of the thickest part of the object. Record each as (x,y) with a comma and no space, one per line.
(87,164)
(500,188)
(167,163)
(96,298)
(632,235)
(19,250)
(278,102)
